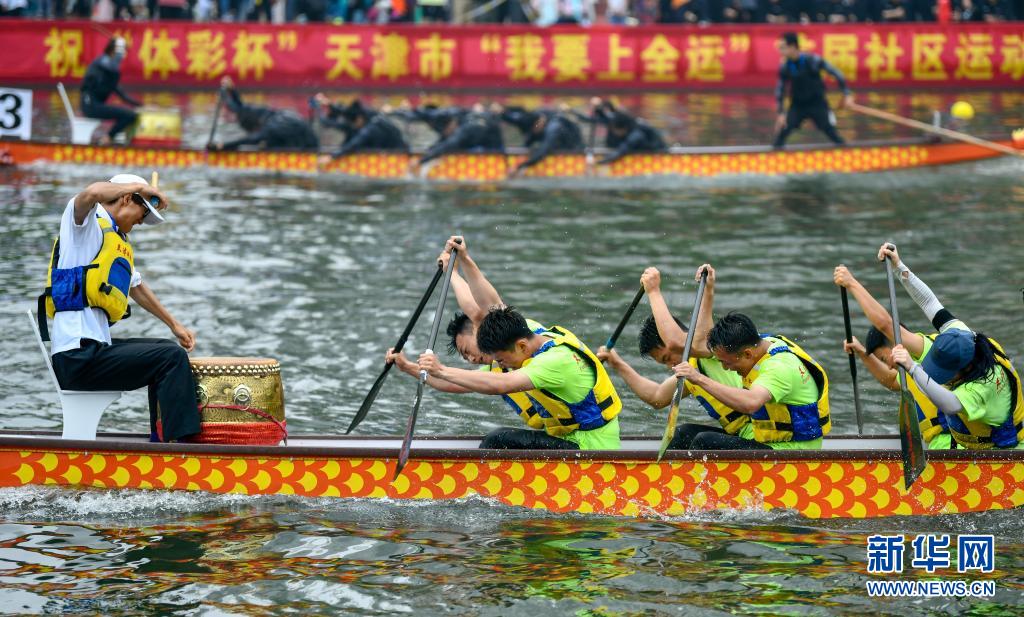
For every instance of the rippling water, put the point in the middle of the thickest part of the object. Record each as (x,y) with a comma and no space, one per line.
(321,273)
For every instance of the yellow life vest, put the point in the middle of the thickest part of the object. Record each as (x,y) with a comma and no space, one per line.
(731,420)
(104,283)
(521,403)
(561,417)
(932,421)
(976,434)
(776,422)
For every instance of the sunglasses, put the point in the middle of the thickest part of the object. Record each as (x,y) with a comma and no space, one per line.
(139,199)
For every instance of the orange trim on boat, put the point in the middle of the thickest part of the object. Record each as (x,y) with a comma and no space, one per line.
(495,167)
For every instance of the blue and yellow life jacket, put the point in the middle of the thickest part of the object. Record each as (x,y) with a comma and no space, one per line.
(933,422)
(104,283)
(731,420)
(976,434)
(776,422)
(560,417)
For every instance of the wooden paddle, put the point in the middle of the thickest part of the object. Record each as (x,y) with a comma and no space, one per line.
(372,394)
(911,443)
(935,130)
(625,319)
(216,117)
(853,364)
(670,427)
(403,454)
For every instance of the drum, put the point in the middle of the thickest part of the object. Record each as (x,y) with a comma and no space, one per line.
(158,127)
(241,401)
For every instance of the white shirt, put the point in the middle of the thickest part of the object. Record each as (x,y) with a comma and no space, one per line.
(79,245)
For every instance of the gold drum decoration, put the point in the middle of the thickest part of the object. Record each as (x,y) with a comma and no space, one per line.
(241,400)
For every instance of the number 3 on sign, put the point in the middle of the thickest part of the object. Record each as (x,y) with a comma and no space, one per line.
(15,113)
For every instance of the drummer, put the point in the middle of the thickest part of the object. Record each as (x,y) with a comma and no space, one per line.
(102,79)
(94,232)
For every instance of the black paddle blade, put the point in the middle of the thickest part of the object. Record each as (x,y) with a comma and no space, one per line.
(912,444)
(370,397)
(403,453)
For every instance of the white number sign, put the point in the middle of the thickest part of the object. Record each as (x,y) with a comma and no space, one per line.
(15,113)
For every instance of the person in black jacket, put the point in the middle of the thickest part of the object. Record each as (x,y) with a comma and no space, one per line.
(100,81)
(365,129)
(458,130)
(625,133)
(546,132)
(802,72)
(265,127)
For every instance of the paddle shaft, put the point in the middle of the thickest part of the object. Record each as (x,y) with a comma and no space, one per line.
(625,319)
(364,408)
(935,130)
(403,454)
(897,336)
(216,117)
(670,427)
(853,363)
(911,444)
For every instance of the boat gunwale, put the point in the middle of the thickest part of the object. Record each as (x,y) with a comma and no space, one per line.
(737,149)
(109,443)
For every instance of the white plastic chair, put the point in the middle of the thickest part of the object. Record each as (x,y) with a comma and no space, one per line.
(82,410)
(81,128)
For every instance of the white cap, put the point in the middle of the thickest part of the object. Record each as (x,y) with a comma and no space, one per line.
(153,217)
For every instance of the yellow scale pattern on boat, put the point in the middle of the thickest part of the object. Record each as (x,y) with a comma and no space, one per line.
(495,167)
(847,489)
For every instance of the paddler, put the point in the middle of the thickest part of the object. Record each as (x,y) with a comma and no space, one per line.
(102,79)
(265,127)
(564,380)
(365,129)
(663,338)
(459,130)
(784,390)
(93,253)
(965,374)
(802,73)
(626,134)
(475,296)
(876,354)
(546,132)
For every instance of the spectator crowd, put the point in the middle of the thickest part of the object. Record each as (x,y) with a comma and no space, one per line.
(539,12)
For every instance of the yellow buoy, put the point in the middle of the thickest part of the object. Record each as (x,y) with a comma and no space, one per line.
(1018,138)
(962,110)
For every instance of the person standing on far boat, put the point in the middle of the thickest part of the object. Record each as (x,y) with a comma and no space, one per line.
(565,381)
(265,127)
(663,338)
(802,72)
(476,296)
(546,132)
(876,354)
(100,81)
(784,390)
(966,374)
(92,253)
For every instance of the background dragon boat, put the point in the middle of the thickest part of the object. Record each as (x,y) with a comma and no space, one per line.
(851,478)
(691,162)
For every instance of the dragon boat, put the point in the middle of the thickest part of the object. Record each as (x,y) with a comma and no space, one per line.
(682,162)
(851,477)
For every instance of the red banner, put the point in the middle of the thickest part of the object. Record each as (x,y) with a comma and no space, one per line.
(522,58)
